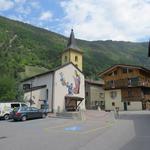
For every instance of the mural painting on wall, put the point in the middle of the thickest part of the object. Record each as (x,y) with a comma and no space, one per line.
(72,88)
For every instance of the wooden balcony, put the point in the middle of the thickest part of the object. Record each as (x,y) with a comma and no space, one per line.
(124,83)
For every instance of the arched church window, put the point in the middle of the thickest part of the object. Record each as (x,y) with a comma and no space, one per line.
(76,58)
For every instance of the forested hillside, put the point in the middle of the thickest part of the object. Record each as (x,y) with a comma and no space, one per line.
(23,45)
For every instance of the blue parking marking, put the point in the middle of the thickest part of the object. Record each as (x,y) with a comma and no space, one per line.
(73,128)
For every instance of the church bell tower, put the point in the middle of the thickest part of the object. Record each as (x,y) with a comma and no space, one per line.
(72,53)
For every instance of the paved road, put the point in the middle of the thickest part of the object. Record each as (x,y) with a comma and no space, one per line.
(99,132)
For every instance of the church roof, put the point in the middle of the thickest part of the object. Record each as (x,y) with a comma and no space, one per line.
(51,71)
(72,43)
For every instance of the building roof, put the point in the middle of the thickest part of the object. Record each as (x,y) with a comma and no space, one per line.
(52,71)
(72,43)
(95,82)
(123,65)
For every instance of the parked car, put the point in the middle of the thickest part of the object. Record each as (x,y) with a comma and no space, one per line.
(25,113)
(7,107)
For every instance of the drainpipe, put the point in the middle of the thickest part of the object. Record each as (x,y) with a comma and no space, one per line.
(52,103)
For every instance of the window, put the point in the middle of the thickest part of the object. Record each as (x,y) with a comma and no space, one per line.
(129,103)
(23,105)
(24,108)
(26,86)
(113,103)
(87,93)
(130,70)
(15,105)
(113,94)
(112,84)
(129,93)
(101,95)
(114,73)
(129,82)
(76,58)
(47,94)
(125,70)
(65,58)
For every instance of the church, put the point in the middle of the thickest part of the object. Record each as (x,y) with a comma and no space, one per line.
(62,88)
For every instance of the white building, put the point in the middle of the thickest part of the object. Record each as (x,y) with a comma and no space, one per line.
(61,88)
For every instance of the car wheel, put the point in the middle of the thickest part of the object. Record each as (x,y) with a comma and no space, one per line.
(24,118)
(6,117)
(43,116)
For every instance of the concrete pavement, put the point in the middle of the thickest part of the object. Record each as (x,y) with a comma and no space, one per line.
(99,132)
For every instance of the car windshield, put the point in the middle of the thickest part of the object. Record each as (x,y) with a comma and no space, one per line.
(23,108)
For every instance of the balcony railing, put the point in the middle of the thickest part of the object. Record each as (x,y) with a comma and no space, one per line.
(133,82)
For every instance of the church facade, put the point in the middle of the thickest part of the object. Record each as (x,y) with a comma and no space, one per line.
(62,88)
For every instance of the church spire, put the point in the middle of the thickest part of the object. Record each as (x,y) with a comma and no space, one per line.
(72,42)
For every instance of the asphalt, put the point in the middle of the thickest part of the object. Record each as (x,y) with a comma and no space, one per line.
(99,131)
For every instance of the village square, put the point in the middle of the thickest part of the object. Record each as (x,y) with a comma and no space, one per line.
(74,75)
(111,113)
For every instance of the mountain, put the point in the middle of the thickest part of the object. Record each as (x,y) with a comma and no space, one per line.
(23,45)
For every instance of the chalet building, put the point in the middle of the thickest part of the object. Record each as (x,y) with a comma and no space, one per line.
(126,87)
(94,94)
(62,88)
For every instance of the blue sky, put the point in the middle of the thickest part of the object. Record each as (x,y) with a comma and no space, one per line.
(126,20)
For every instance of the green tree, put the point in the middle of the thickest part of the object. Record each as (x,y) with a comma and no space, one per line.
(8,90)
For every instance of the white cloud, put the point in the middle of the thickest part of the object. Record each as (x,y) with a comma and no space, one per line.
(20,1)
(106,19)
(6,5)
(35,5)
(23,10)
(45,16)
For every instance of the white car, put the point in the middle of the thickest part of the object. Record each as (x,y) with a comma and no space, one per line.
(7,107)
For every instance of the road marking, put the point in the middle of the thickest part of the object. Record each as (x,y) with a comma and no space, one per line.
(63,125)
(110,124)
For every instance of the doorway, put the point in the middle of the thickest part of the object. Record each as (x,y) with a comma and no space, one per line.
(125,106)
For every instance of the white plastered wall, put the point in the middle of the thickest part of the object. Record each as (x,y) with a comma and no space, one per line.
(60,91)
(39,94)
(47,80)
(134,106)
(109,100)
